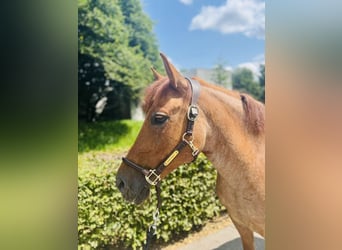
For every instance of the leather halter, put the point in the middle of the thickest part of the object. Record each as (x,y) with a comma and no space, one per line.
(152,176)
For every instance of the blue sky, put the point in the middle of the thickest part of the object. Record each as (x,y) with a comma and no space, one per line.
(197,33)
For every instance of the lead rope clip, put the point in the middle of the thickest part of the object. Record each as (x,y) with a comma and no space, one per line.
(155,222)
(152,230)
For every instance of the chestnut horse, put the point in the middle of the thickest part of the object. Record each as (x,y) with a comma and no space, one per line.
(229,130)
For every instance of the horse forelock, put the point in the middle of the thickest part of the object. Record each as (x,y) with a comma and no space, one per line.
(254,114)
(153,92)
(158,91)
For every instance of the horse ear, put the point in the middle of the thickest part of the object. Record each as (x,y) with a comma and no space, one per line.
(177,81)
(156,75)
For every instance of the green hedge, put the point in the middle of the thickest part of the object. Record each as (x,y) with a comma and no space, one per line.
(105,219)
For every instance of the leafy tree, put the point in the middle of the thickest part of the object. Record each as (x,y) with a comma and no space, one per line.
(262,82)
(243,81)
(140,30)
(113,65)
(220,74)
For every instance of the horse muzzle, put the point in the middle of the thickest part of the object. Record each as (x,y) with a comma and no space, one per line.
(134,191)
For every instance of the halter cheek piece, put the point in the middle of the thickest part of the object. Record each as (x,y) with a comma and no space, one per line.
(152,176)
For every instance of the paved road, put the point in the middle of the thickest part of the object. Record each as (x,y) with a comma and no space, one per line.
(225,239)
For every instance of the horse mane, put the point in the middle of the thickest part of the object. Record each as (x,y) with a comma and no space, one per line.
(254,114)
(254,111)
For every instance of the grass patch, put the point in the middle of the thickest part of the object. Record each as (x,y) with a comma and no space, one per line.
(107,135)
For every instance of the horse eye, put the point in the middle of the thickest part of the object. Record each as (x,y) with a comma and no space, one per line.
(159,118)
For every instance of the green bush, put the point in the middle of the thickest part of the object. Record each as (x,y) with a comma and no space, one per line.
(105,219)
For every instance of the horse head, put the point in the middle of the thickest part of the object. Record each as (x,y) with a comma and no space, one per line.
(166,108)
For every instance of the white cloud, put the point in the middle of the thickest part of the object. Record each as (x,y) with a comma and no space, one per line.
(186,2)
(235,16)
(254,65)
(229,68)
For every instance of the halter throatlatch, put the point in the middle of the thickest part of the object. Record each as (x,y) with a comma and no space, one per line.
(153,176)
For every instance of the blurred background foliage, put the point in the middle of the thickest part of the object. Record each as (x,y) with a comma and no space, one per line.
(245,82)
(116,48)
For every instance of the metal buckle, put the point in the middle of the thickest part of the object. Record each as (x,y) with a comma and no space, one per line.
(195,151)
(192,112)
(152,173)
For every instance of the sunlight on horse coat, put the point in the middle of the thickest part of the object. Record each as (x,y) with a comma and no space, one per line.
(229,130)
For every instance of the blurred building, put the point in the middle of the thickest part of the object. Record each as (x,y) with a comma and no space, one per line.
(209,76)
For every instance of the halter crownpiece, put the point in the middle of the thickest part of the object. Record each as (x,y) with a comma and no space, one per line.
(153,176)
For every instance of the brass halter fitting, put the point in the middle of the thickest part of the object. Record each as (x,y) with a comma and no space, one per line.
(194,149)
(155,177)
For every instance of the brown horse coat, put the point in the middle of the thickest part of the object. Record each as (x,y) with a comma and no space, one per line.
(229,131)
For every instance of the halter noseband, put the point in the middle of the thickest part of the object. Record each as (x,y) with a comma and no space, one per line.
(152,176)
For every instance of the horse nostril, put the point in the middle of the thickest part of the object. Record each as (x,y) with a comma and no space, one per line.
(120,184)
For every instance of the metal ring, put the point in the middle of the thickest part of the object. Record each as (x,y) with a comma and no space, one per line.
(187,141)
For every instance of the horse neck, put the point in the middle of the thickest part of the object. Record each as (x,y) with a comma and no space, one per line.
(228,144)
